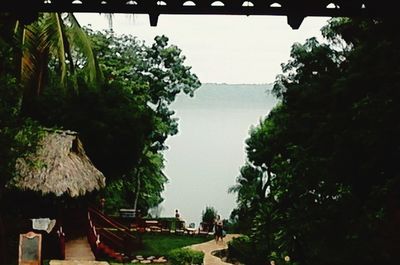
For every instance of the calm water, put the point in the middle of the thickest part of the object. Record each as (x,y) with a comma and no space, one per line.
(204,158)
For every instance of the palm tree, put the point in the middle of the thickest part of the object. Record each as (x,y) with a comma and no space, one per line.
(54,37)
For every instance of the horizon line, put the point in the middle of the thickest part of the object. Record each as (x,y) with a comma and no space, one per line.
(224,83)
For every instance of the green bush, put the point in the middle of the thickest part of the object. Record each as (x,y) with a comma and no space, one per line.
(185,256)
(240,248)
(244,250)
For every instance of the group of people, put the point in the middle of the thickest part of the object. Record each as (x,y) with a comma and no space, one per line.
(219,232)
(218,229)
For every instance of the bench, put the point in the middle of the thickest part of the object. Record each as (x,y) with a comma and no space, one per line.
(153,225)
(127,213)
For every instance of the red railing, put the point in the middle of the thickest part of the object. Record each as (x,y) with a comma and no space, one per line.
(61,242)
(109,237)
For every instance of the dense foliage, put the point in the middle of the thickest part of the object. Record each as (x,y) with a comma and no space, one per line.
(18,135)
(322,178)
(113,90)
(125,121)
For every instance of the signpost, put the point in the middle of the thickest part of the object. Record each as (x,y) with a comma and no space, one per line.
(30,249)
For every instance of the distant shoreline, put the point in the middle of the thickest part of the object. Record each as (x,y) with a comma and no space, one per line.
(239,84)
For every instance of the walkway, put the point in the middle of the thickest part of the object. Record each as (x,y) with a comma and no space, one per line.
(77,262)
(78,249)
(211,246)
(78,252)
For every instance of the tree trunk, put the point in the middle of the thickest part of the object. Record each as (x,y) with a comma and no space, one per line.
(137,193)
(2,242)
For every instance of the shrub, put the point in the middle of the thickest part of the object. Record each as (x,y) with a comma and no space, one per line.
(185,256)
(244,250)
(231,226)
(240,247)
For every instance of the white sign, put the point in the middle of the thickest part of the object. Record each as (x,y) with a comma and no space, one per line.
(45,224)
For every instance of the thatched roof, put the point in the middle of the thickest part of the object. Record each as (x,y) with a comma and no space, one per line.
(59,166)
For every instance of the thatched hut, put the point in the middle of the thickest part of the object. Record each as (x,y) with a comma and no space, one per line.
(59,166)
(54,183)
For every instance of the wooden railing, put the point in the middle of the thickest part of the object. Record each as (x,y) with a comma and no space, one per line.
(106,234)
(61,242)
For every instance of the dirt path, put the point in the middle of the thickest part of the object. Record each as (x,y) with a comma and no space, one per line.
(211,246)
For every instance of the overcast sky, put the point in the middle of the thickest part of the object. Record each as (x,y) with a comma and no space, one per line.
(221,49)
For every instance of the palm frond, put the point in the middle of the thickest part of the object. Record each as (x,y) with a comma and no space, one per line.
(61,45)
(41,39)
(29,63)
(234,189)
(53,39)
(54,36)
(83,43)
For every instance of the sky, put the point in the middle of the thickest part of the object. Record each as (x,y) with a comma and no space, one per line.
(220,49)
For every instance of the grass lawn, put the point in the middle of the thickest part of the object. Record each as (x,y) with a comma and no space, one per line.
(157,244)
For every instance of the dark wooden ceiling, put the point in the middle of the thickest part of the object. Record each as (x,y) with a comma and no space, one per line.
(295,10)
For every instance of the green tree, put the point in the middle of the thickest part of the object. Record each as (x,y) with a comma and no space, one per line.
(328,152)
(124,123)
(209,215)
(251,192)
(154,75)
(28,53)
(18,136)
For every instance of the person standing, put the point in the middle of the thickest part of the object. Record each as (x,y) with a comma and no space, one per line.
(179,222)
(219,226)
